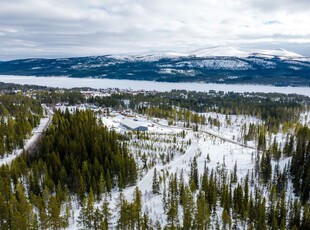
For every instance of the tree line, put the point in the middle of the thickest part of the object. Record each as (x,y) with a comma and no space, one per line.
(18,116)
(76,157)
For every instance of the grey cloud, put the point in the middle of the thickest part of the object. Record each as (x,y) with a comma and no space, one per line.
(287,5)
(49,28)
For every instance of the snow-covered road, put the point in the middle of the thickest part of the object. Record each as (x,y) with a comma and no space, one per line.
(36,133)
(211,134)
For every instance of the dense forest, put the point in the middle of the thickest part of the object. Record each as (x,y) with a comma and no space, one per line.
(37,191)
(76,156)
(273,108)
(80,165)
(18,116)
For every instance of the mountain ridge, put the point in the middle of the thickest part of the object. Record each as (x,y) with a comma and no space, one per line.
(275,67)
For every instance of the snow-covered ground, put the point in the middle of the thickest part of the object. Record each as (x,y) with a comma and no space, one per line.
(171,149)
(164,139)
(214,150)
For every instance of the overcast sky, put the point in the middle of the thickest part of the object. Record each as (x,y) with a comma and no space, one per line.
(62,28)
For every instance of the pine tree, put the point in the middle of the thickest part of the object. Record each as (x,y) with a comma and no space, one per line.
(265,167)
(108,181)
(194,175)
(137,208)
(82,221)
(43,216)
(106,214)
(124,217)
(305,223)
(97,219)
(89,214)
(226,219)
(155,184)
(56,221)
(261,215)
(202,215)
(235,177)
(4,213)
(188,208)
(172,215)
(102,186)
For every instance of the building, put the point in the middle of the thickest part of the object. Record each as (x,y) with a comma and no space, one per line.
(134,125)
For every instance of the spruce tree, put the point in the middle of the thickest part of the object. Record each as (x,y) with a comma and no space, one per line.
(106,214)
(155,183)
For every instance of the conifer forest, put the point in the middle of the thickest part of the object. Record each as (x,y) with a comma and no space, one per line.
(87,159)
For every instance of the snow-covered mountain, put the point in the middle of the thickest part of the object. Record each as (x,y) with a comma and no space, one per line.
(216,64)
(220,51)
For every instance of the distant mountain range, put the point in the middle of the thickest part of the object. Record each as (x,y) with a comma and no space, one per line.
(214,65)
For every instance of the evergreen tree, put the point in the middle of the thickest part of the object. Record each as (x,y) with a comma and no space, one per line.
(235,177)
(202,215)
(265,167)
(155,184)
(226,219)
(56,221)
(137,208)
(106,214)
(261,215)
(194,175)
(188,208)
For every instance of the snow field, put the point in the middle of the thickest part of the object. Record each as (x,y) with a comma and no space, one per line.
(220,152)
(165,148)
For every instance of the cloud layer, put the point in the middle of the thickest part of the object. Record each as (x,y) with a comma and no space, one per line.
(58,28)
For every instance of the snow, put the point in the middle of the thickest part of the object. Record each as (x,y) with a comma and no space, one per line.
(229,51)
(220,51)
(65,82)
(222,145)
(219,151)
(177,71)
(263,62)
(154,126)
(217,64)
(277,52)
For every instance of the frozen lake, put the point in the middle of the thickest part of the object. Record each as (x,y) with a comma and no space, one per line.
(65,82)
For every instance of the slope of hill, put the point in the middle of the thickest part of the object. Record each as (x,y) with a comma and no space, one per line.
(214,65)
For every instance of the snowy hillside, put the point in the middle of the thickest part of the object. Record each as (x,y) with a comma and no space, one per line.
(211,65)
(229,51)
(171,150)
(195,160)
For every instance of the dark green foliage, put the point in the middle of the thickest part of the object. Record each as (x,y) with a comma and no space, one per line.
(265,167)
(130,214)
(71,97)
(193,180)
(155,183)
(79,153)
(274,109)
(77,157)
(18,116)
(202,214)
(300,165)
